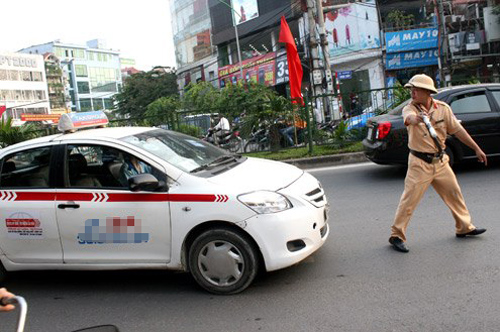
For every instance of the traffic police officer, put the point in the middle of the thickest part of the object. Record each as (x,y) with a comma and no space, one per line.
(428,164)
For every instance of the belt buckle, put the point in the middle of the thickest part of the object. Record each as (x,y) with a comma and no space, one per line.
(435,160)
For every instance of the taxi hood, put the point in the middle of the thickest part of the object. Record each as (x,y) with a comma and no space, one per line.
(259,174)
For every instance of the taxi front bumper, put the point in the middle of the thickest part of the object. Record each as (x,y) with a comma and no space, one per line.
(288,237)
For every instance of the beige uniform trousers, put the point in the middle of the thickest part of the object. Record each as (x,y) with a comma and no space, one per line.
(418,178)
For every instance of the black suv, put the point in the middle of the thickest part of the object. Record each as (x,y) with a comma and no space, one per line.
(476,106)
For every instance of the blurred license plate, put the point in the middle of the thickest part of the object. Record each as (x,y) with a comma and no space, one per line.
(370,133)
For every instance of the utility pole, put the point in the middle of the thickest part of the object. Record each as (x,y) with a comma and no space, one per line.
(236,36)
(445,71)
(317,74)
(326,62)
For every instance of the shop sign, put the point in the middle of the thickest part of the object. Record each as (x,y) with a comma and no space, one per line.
(409,40)
(412,59)
(344,75)
(40,117)
(281,69)
(17,61)
(258,69)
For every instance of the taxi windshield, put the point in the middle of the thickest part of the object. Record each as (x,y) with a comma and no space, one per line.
(182,151)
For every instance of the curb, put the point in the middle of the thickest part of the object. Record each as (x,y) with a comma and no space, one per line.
(331,160)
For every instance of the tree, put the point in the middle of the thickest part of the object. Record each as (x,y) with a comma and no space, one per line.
(399,19)
(141,89)
(162,111)
(201,98)
(10,135)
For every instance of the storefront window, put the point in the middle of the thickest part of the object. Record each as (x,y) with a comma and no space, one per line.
(83,87)
(97,104)
(25,76)
(108,103)
(85,105)
(14,75)
(356,95)
(81,71)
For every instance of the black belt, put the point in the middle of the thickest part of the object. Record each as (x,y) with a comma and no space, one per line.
(429,158)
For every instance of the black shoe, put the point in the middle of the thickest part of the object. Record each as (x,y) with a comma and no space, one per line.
(476,231)
(398,244)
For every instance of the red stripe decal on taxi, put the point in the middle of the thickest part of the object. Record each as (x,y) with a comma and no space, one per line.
(110,197)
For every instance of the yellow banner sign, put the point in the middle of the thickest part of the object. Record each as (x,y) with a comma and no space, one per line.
(40,117)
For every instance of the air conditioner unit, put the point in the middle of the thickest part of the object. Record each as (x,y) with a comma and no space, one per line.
(491,25)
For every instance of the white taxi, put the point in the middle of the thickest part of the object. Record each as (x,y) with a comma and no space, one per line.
(136,198)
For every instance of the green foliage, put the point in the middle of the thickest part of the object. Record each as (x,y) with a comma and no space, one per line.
(162,111)
(190,130)
(140,90)
(341,134)
(10,135)
(399,19)
(321,150)
(401,94)
(201,97)
(257,102)
(474,80)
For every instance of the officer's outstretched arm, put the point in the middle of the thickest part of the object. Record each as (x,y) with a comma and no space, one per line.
(465,138)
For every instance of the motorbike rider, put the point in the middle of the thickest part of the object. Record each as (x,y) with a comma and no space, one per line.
(221,128)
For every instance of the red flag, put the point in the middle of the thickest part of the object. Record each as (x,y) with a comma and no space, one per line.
(294,65)
(2,109)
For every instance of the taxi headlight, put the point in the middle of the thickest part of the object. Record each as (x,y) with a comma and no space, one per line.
(265,202)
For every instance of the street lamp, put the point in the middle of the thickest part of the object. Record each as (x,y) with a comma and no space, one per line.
(236,35)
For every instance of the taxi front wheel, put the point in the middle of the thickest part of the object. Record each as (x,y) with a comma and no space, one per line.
(223,261)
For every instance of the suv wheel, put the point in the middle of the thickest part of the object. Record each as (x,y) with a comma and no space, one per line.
(223,261)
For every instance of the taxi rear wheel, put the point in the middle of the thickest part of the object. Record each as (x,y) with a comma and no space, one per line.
(223,261)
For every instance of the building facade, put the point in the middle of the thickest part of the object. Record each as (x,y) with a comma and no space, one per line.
(195,54)
(56,84)
(455,42)
(23,86)
(92,72)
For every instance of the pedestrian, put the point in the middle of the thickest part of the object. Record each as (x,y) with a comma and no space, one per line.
(292,128)
(427,162)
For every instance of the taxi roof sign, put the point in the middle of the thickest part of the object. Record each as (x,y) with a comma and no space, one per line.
(70,122)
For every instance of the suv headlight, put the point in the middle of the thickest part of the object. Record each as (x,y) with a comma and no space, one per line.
(265,202)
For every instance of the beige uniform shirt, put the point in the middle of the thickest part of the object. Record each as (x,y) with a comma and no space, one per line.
(442,119)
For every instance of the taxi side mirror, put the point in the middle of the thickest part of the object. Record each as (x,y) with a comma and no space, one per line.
(144,182)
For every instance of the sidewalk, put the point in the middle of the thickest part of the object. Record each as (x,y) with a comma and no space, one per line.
(331,160)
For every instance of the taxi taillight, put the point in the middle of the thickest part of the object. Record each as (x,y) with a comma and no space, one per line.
(383,129)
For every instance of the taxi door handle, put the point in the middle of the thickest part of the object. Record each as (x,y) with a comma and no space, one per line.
(68,206)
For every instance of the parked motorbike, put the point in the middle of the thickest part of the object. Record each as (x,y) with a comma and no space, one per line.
(229,140)
(22,305)
(329,126)
(258,140)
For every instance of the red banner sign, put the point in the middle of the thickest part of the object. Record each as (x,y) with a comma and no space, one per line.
(259,69)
